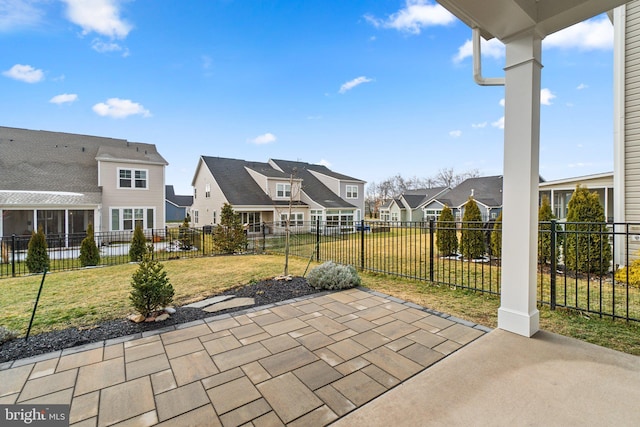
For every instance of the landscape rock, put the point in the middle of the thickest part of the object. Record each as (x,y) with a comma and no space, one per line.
(162,317)
(136,318)
(170,310)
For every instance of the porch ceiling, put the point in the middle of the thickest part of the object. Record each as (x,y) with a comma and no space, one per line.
(506,18)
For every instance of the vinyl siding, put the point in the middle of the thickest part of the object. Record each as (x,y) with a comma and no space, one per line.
(632,118)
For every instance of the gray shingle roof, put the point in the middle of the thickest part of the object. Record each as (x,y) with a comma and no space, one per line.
(417,197)
(486,190)
(235,182)
(312,186)
(181,201)
(33,160)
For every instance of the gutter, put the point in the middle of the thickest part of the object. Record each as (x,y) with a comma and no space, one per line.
(477,64)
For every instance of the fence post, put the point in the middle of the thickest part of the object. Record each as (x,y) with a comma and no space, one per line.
(13,255)
(431,249)
(264,236)
(362,245)
(552,279)
(318,240)
(153,244)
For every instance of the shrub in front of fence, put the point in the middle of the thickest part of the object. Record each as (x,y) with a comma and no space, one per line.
(37,256)
(229,236)
(472,240)
(332,276)
(496,238)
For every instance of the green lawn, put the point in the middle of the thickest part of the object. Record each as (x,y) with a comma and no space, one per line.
(82,298)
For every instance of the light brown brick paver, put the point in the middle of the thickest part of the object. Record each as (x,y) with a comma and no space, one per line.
(359,388)
(220,345)
(285,326)
(127,400)
(113,351)
(62,397)
(317,374)
(147,419)
(47,385)
(393,363)
(315,340)
(232,395)
(280,343)
(245,331)
(84,407)
(181,348)
(185,334)
(447,347)
(340,309)
(203,416)
(163,381)
(425,338)
(245,413)
(192,367)
(267,319)
(383,377)
(326,326)
(222,324)
(352,365)
(335,400)
(279,393)
(460,333)
(328,356)
(371,339)
(433,323)
(180,400)
(240,356)
(347,349)
(256,372)
(421,354)
(147,366)
(287,360)
(153,348)
(318,417)
(269,419)
(46,367)
(223,377)
(395,329)
(13,379)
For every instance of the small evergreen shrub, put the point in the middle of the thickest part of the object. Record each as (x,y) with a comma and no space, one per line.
(7,335)
(446,233)
(545,215)
(138,245)
(89,252)
(587,249)
(228,236)
(472,240)
(37,256)
(634,273)
(185,236)
(496,238)
(333,276)
(152,290)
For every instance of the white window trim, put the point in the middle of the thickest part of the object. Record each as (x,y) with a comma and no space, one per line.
(283,186)
(120,209)
(350,189)
(133,179)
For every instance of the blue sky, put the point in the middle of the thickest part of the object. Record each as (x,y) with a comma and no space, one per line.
(369,88)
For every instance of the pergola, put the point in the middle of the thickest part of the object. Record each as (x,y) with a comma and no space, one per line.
(521,25)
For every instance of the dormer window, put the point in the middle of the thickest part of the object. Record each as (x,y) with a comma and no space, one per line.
(352,191)
(283,190)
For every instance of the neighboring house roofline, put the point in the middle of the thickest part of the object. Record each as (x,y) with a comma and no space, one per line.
(575,180)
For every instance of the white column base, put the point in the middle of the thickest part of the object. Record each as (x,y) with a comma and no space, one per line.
(525,324)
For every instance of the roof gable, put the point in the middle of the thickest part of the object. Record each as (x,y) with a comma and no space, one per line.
(235,182)
(486,190)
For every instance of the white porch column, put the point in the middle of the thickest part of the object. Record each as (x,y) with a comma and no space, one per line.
(518,312)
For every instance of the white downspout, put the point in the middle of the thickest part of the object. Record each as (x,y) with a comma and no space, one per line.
(477,64)
(619,63)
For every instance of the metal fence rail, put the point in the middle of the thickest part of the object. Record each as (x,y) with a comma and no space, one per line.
(577,261)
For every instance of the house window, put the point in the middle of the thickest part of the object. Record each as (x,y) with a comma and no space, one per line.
(195,193)
(316,215)
(195,216)
(129,218)
(433,214)
(283,190)
(394,216)
(132,178)
(297,219)
(352,191)
(337,218)
(251,218)
(207,190)
(215,218)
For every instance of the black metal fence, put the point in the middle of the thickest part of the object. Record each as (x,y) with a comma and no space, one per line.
(578,262)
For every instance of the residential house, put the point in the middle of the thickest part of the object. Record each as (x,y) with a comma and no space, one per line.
(62,182)
(176,207)
(486,191)
(408,207)
(270,192)
(560,191)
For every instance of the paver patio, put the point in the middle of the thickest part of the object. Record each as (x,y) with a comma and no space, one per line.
(304,362)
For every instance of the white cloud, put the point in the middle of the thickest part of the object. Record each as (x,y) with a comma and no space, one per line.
(16,14)
(64,98)
(120,108)
(325,163)
(493,48)
(594,34)
(416,15)
(455,133)
(498,123)
(266,138)
(579,165)
(582,86)
(501,102)
(99,16)
(24,73)
(546,96)
(353,83)
(479,125)
(103,47)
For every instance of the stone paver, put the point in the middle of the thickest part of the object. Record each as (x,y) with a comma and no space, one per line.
(232,303)
(302,363)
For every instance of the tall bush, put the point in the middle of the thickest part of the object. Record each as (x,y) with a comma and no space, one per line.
(89,252)
(152,289)
(472,240)
(446,233)
(37,256)
(138,245)
(496,238)
(228,236)
(185,236)
(545,216)
(587,248)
